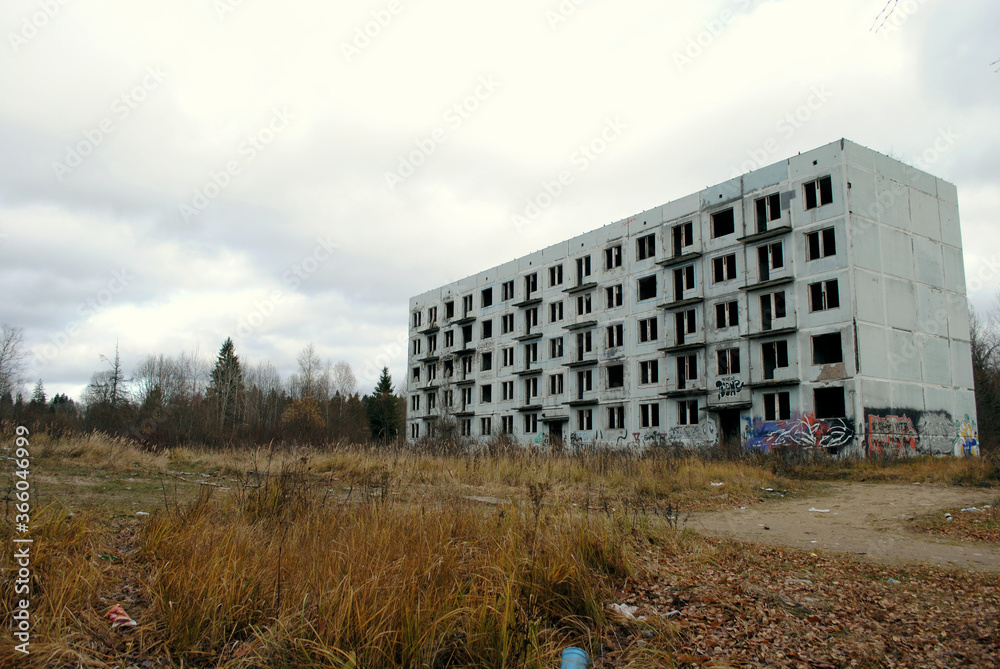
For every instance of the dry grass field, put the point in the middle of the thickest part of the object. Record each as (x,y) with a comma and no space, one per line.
(369,557)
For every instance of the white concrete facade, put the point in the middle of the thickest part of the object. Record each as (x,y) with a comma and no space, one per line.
(817,303)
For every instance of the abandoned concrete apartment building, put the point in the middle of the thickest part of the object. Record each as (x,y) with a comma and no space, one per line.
(816,303)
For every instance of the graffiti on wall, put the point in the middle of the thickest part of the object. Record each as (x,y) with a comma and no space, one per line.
(891,435)
(801,431)
(704,433)
(967,441)
(729,386)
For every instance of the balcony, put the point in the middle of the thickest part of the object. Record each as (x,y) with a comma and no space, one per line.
(765,234)
(679,260)
(581,288)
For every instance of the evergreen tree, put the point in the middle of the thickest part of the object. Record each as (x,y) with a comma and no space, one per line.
(38,397)
(383,411)
(225,387)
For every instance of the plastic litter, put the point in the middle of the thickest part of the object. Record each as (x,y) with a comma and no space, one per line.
(716,484)
(574,658)
(625,610)
(971,508)
(892,580)
(670,614)
(815,510)
(142,513)
(119,618)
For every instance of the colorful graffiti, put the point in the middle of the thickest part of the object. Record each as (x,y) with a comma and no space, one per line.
(729,386)
(803,431)
(967,441)
(891,433)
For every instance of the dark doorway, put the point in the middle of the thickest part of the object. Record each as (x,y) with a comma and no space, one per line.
(729,424)
(556,435)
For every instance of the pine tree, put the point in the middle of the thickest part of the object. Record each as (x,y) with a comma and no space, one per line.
(38,397)
(383,410)
(225,388)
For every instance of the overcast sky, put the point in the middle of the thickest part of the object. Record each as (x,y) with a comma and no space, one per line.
(172,174)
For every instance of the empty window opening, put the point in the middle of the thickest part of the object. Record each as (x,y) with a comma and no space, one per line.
(777,406)
(827,349)
(556,347)
(616,376)
(530,284)
(486,298)
(616,418)
(555,275)
(647,330)
(728,361)
(824,295)
(647,288)
(649,371)
(530,423)
(584,304)
(687,370)
(687,412)
(487,329)
(683,280)
(507,390)
(769,257)
(683,236)
(614,295)
(726,314)
(613,257)
(772,306)
(507,290)
(582,268)
(486,394)
(616,335)
(649,415)
(821,244)
(646,247)
(724,268)
(775,355)
(768,209)
(818,192)
(507,424)
(684,324)
(829,402)
(449,309)
(723,223)
(555,311)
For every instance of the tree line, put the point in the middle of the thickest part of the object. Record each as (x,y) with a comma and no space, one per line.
(167,401)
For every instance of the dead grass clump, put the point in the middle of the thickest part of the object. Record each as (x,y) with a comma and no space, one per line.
(380,585)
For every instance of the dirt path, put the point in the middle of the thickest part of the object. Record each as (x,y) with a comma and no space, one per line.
(861,519)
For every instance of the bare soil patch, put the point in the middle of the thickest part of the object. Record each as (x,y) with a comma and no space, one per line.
(869,520)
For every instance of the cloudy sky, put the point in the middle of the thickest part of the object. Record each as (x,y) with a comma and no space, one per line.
(172,174)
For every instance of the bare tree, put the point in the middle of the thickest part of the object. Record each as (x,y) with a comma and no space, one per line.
(12,359)
(313,377)
(344,381)
(157,376)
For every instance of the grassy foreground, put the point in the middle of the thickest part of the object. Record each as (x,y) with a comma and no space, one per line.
(363,557)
